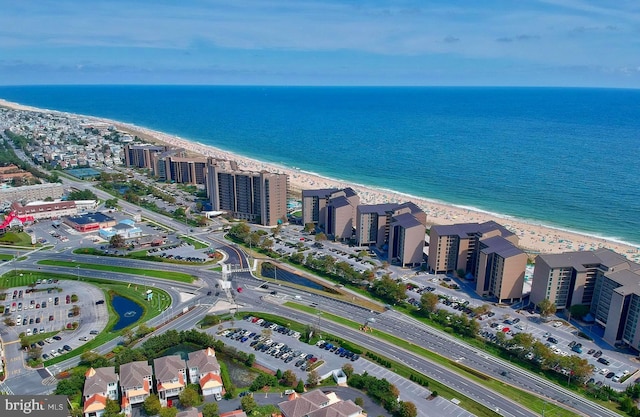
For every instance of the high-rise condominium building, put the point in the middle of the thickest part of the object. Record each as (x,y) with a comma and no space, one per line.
(486,252)
(605,281)
(258,197)
(141,156)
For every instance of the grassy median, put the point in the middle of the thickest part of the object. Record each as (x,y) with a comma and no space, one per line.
(153,273)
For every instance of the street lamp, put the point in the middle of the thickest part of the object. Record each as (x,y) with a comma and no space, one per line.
(78,272)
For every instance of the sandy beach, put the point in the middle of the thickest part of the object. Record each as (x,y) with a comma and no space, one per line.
(534,238)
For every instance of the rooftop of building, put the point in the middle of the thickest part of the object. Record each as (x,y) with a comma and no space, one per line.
(500,246)
(91,218)
(132,373)
(97,379)
(465,230)
(324,192)
(584,260)
(406,220)
(380,209)
(168,367)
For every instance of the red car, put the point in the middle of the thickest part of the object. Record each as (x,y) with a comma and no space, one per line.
(239,289)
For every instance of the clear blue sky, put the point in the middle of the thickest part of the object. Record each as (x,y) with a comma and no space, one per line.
(321,42)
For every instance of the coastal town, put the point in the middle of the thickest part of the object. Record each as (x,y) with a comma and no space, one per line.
(576,295)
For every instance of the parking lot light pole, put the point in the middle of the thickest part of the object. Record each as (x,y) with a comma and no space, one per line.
(78,272)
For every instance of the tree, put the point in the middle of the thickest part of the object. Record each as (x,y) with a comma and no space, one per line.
(117,241)
(248,404)
(266,244)
(300,387)
(547,308)
(321,237)
(190,397)
(359,401)
(75,310)
(168,412)
(179,213)
(389,289)
(309,227)
(240,231)
(429,302)
(579,311)
(112,408)
(111,203)
(210,410)
(406,409)
(202,220)
(347,368)
(34,353)
(313,378)
(289,378)
(152,405)
(81,195)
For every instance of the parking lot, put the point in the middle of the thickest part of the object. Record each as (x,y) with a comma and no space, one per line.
(73,310)
(277,347)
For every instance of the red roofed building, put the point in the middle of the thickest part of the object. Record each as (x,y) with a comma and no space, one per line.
(94,406)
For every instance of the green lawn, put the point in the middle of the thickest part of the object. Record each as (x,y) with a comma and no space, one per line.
(528,400)
(35,338)
(197,244)
(154,273)
(16,239)
(5,257)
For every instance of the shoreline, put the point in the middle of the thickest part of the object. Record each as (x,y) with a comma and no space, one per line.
(534,237)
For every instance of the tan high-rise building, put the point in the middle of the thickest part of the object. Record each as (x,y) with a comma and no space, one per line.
(340,214)
(141,156)
(487,252)
(605,281)
(258,197)
(179,169)
(332,210)
(314,204)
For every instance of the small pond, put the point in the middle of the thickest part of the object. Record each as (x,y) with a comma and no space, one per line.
(128,311)
(279,274)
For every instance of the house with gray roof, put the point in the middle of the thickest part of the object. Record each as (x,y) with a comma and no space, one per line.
(204,370)
(136,380)
(318,404)
(171,377)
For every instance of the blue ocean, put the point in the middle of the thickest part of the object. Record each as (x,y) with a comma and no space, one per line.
(568,158)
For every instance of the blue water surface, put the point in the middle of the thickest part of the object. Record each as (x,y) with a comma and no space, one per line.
(563,157)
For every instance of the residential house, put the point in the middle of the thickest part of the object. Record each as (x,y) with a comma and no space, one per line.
(100,384)
(135,383)
(204,369)
(319,404)
(171,377)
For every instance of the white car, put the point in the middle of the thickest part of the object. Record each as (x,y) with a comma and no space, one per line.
(604,371)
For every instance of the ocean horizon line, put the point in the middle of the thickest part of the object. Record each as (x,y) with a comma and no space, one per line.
(341,86)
